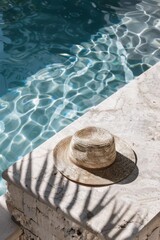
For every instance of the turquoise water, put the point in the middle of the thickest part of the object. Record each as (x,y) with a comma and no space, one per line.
(59,59)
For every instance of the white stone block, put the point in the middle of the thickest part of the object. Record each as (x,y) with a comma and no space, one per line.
(17,196)
(155,235)
(30,204)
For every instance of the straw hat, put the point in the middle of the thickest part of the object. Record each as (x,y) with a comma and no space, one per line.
(93,156)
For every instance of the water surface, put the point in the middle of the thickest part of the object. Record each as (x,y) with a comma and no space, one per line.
(58,59)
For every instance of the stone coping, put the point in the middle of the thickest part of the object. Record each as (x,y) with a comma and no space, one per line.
(8,229)
(117,211)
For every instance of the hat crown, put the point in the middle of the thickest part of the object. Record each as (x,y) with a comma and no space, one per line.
(92,148)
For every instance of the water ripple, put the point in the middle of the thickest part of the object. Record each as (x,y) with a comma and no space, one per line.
(88,64)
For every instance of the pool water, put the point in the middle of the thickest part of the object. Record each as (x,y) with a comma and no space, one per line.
(59,58)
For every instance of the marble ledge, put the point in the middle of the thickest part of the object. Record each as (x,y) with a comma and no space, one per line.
(117,211)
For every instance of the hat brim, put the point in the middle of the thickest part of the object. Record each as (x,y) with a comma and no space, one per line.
(122,167)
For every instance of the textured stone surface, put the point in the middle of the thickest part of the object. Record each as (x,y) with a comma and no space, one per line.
(8,229)
(121,210)
(151,231)
(40,221)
